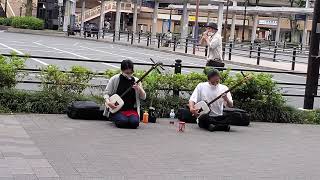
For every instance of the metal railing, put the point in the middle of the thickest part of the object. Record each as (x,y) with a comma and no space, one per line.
(177,67)
(260,51)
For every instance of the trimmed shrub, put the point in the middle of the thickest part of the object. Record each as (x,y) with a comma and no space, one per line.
(53,79)
(28,22)
(6,21)
(47,102)
(9,67)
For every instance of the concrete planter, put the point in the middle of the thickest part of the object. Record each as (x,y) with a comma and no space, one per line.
(4,27)
(39,32)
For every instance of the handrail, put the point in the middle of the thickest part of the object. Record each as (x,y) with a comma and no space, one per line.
(108,6)
(150,64)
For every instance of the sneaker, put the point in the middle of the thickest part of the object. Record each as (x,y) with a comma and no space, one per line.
(211,127)
(227,128)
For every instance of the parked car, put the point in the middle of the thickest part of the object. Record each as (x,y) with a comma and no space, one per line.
(91,29)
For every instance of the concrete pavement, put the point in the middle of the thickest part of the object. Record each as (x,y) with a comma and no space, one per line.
(53,147)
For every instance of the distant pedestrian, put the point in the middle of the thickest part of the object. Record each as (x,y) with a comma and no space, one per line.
(107,25)
(212,38)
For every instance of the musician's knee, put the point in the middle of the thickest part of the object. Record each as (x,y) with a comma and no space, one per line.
(120,120)
(134,121)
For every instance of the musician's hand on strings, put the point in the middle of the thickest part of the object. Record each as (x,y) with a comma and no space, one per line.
(136,87)
(111,105)
(194,111)
(225,97)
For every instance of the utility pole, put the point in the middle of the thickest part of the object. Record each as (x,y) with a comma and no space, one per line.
(244,18)
(313,62)
(5,8)
(170,18)
(196,29)
(225,30)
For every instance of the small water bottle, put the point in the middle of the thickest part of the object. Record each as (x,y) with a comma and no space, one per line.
(172,114)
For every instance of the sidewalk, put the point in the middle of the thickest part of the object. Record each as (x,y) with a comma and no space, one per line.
(54,147)
(236,59)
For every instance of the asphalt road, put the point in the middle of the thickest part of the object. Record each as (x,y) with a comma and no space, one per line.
(38,45)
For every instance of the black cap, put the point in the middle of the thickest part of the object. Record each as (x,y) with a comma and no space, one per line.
(212,25)
(213,72)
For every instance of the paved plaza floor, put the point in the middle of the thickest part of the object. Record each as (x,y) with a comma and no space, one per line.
(52,147)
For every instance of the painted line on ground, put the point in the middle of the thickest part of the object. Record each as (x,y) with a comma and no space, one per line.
(21,53)
(20,45)
(156,56)
(105,52)
(125,56)
(74,54)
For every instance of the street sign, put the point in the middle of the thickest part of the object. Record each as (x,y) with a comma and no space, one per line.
(300,17)
(192,18)
(60,2)
(268,22)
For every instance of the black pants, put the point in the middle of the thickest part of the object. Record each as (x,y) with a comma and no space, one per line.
(219,121)
(215,63)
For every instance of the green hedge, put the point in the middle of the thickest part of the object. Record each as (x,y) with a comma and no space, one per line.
(6,21)
(12,100)
(27,22)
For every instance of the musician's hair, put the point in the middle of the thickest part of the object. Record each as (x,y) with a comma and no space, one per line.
(213,72)
(126,64)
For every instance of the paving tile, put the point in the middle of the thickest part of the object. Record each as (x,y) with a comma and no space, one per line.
(6,178)
(35,163)
(45,172)
(4,163)
(25,177)
(5,172)
(21,171)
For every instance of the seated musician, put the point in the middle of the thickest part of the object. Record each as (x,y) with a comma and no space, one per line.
(128,115)
(207,91)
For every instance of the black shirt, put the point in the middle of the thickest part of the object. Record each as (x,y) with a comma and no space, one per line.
(130,98)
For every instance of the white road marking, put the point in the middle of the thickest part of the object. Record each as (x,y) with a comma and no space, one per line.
(21,53)
(147,54)
(124,56)
(67,52)
(77,55)
(23,45)
(128,57)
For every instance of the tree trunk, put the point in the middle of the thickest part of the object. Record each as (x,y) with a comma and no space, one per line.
(29,8)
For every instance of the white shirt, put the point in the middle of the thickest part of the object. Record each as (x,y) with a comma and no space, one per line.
(215,47)
(207,92)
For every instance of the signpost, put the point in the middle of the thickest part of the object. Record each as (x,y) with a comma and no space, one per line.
(60,4)
(313,62)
